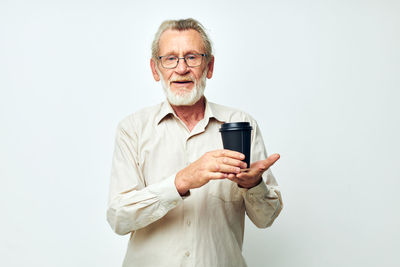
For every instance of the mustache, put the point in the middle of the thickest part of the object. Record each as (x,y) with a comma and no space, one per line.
(186,78)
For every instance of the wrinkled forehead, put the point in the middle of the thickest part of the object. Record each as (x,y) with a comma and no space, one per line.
(180,42)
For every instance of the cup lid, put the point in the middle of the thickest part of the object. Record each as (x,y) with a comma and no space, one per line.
(235,126)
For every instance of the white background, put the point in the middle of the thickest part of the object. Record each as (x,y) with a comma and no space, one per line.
(321,77)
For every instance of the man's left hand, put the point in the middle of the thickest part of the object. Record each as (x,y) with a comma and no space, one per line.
(254,174)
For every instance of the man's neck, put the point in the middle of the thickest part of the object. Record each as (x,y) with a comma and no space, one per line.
(191,115)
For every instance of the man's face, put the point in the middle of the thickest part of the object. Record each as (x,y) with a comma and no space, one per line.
(183,85)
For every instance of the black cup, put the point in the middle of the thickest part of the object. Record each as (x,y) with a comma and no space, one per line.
(237,136)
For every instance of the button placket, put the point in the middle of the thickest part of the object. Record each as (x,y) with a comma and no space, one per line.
(187,230)
(188,210)
(185,146)
(188,151)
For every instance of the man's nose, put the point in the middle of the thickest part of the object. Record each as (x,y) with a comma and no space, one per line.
(182,67)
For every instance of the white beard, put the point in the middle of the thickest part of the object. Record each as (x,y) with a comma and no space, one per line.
(186,98)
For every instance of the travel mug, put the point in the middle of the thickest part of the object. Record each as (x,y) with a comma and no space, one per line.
(237,136)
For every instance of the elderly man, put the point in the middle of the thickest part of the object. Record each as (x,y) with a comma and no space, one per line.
(180,195)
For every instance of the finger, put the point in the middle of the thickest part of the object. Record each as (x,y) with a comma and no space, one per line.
(228,153)
(233,178)
(217,175)
(248,175)
(233,162)
(225,168)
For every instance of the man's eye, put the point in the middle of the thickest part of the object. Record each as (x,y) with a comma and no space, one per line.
(190,57)
(171,58)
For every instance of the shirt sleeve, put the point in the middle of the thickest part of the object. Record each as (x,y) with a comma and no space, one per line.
(133,205)
(263,202)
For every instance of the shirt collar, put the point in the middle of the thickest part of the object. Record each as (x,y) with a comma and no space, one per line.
(165,110)
(212,111)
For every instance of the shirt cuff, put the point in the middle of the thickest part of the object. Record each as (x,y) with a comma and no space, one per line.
(259,190)
(167,193)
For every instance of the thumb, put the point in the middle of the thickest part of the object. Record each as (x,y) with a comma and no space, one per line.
(271,160)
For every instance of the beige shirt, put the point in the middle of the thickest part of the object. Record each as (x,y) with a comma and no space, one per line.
(203,229)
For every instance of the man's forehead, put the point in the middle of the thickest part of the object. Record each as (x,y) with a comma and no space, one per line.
(181,41)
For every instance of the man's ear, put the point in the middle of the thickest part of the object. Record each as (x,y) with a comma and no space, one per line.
(153,70)
(210,68)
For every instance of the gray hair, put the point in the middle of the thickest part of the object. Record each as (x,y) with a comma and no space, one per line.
(181,25)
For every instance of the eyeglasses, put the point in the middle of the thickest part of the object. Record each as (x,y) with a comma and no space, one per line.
(192,60)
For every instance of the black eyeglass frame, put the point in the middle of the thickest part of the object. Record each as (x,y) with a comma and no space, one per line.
(184,58)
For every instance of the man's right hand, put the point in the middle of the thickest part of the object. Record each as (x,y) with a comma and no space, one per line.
(218,164)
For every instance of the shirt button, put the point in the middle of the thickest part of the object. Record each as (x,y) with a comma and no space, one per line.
(187,254)
(174,202)
(188,222)
(251,194)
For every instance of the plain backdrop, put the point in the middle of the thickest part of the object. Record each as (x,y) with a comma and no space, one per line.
(322,78)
